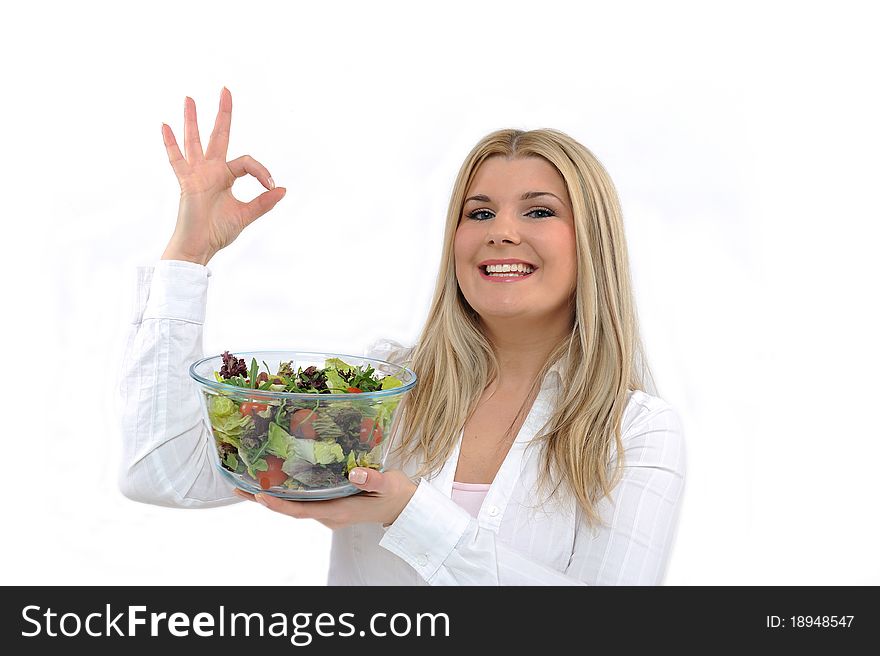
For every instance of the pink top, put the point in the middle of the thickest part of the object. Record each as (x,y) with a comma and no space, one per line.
(469,495)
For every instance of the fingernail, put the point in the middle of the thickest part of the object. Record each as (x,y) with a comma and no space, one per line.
(261,498)
(271,183)
(358,476)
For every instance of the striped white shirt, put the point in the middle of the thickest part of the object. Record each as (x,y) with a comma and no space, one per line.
(167,460)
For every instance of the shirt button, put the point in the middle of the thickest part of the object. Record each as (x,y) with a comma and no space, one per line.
(422,560)
(493,511)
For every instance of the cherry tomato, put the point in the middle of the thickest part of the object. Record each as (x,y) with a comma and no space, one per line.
(354,389)
(302,424)
(247,407)
(272,476)
(371,432)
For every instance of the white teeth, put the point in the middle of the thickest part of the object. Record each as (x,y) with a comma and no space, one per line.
(507,268)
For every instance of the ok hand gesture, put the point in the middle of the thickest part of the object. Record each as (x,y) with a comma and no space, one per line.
(209,217)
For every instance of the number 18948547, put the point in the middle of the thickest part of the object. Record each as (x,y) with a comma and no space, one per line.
(810,621)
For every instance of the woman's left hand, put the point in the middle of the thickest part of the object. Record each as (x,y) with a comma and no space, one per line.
(384,496)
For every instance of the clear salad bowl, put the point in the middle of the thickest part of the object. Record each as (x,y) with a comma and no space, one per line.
(297,444)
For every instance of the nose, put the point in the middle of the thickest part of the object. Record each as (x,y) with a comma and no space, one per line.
(503,228)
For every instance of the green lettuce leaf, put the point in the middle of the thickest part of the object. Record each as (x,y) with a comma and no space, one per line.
(231,461)
(339,365)
(254,460)
(390,382)
(279,441)
(220,406)
(372,459)
(327,452)
(258,465)
(332,367)
(303,450)
(334,381)
(227,422)
(385,410)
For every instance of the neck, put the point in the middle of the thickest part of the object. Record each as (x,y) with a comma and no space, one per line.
(521,349)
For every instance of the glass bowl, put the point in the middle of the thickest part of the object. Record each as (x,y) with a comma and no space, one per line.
(298,445)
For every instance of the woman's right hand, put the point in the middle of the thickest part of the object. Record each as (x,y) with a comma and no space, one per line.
(209,216)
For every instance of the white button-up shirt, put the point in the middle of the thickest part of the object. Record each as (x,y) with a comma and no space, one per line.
(167,460)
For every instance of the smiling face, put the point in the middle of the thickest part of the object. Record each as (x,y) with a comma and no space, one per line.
(518,209)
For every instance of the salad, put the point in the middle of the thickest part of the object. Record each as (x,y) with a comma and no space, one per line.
(299,444)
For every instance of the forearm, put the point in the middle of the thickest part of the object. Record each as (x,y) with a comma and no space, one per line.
(446,546)
(166,448)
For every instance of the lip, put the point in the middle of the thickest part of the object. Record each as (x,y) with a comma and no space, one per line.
(506,261)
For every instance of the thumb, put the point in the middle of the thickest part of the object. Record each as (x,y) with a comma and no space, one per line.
(262,204)
(367,479)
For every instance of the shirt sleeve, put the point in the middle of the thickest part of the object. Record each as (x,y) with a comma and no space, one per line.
(166,447)
(446,546)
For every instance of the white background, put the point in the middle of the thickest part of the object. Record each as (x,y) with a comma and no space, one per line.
(742,141)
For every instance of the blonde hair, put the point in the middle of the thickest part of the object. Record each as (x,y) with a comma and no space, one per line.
(603,355)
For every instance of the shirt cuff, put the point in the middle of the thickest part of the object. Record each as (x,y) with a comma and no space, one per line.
(178,290)
(427,530)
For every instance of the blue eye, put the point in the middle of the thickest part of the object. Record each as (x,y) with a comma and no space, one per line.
(473,215)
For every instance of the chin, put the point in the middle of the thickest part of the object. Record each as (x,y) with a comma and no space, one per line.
(504,312)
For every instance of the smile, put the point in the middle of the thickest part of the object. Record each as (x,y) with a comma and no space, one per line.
(510,276)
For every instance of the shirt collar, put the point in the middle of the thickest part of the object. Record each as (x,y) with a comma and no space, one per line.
(557,371)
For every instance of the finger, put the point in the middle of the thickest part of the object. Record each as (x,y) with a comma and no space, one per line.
(367,479)
(219,141)
(331,513)
(262,204)
(244,495)
(247,164)
(298,509)
(174,156)
(191,142)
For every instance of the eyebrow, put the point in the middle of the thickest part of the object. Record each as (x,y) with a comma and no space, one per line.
(526,196)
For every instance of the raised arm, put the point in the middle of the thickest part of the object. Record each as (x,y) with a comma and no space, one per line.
(166,455)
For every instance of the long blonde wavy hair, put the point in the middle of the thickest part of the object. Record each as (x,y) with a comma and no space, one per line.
(603,355)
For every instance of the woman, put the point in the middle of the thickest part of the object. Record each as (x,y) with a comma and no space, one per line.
(528,453)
